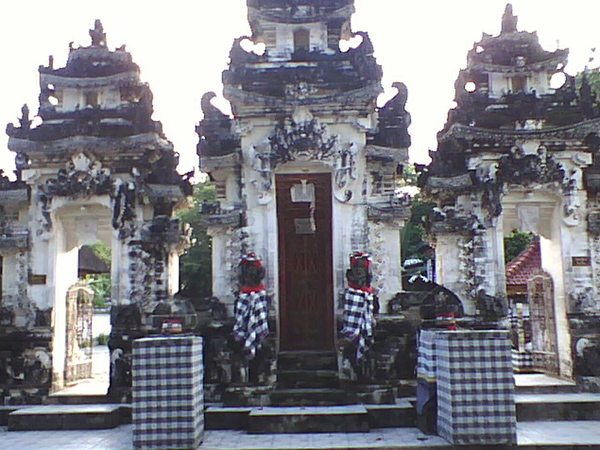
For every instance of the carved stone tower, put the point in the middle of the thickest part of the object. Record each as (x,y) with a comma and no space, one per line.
(516,153)
(306,169)
(97,168)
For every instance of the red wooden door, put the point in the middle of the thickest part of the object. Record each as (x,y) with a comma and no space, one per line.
(305,261)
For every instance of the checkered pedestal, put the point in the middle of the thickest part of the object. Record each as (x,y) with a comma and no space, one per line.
(168,394)
(475,388)
(522,361)
(426,382)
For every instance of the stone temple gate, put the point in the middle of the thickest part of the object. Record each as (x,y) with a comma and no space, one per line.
(306,229)
(97,168)
(520,152)
(306,169)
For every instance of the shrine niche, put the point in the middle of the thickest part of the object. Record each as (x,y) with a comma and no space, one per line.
(517,153)
(97,168)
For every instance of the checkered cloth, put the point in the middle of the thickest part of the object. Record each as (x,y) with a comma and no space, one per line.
(251,312)
(359,321)
(522,361)
(168,393)
(426,356)
(475,388)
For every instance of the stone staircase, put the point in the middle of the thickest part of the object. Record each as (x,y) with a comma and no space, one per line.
(66,412)
(538,398)
(307,378)
(309,398)
(542,398)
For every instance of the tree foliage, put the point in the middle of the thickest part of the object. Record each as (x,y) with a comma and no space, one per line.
(516,243)
(195,267)
(413,234)
(101,282)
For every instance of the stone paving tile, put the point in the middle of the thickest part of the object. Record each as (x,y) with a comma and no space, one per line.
(383,438)
(115,439)
(540,434)
(582,432)
(538,379)
(557,398)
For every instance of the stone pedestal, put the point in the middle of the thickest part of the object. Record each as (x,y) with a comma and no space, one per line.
(168,395)
(475,387)
(427,382)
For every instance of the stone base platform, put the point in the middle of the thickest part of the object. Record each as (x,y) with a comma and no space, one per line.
(313,419)
(65,417)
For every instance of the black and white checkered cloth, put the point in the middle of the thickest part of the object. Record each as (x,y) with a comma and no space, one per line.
(168,393)
(475,388)
(522,361)
(359,321)
(251,312)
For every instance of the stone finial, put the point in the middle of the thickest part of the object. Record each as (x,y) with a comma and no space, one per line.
(97,34)
(509,20)
(24,120)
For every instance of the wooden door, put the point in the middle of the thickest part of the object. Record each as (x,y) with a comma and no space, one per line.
(540,296)
(305,261)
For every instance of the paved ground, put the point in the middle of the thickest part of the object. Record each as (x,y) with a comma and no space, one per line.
(98,384)
(542,435)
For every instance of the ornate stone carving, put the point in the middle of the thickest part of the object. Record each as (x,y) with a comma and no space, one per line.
(518,168)
(251,271)
(163,234)
(594,223)
(124,210)
(526,170)
(305,140)
(491,308)
(582,300)
(346,166)
(394,120)
(215,130)
(360,275)
(97,34)
(79,178)
(452,220)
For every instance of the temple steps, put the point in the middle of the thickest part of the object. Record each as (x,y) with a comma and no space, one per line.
(78,400)
(307,360)
(311,419)
(557,407)
(308,397)
(65,417)
(537,383)
(307,378)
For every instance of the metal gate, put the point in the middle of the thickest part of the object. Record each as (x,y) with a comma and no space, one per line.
(78,363)
(540,295)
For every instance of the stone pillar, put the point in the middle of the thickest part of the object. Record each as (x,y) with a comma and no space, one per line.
(475,388)
(168,394)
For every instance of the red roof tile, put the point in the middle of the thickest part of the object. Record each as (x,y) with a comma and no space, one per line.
(522,268)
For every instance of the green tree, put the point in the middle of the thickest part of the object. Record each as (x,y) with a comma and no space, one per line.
(516,243)
(413,234)
(195,266)
(101,282)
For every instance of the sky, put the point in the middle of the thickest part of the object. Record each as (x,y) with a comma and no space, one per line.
(182,46)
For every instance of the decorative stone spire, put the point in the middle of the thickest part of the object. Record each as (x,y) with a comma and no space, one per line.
(509,20)
(97,34)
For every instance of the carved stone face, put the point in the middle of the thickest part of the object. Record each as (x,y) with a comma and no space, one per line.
(251,271)
(359,273)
